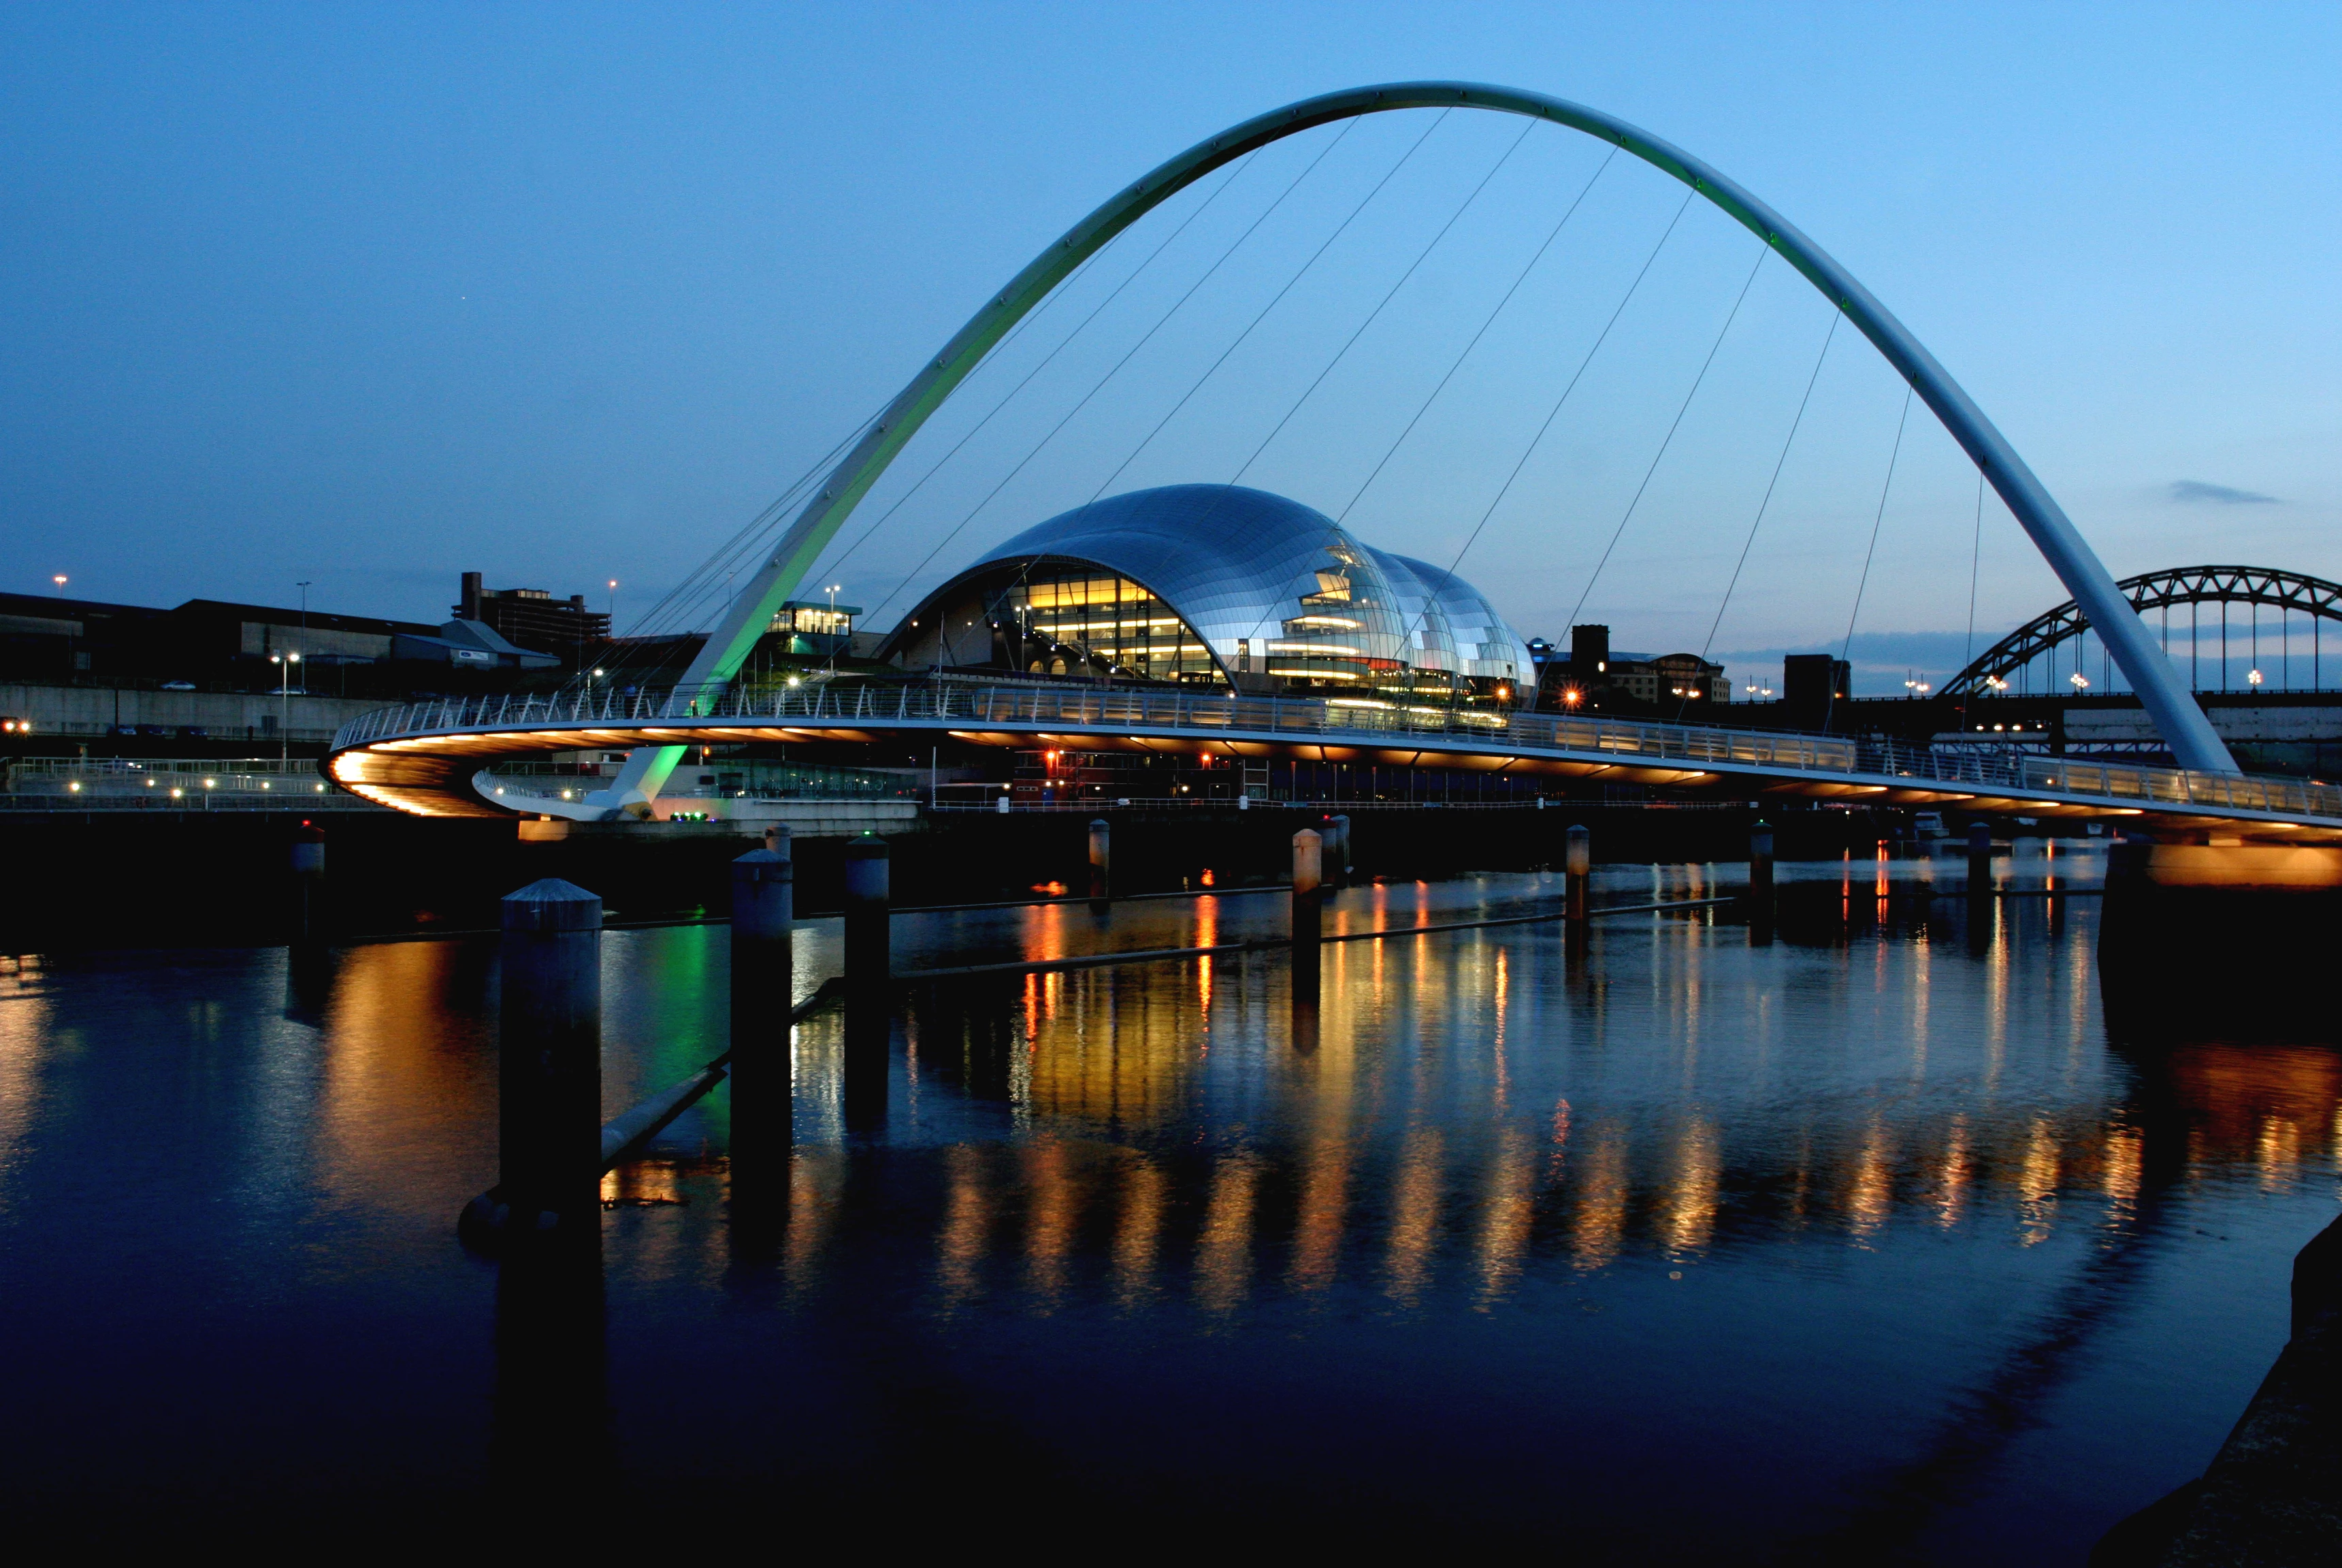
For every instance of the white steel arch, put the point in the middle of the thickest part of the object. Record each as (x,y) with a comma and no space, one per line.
(2177,716)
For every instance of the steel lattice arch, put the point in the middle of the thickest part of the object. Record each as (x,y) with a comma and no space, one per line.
(2265,585)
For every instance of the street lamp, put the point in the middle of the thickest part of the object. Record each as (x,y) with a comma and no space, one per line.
(284,663)
(60,581)
(2254,677)
(2081,682)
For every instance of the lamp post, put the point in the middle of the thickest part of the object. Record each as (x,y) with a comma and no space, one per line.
(60,581)
(284,664)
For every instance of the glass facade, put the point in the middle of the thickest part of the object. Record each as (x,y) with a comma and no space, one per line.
(1075,622)
(1222,585)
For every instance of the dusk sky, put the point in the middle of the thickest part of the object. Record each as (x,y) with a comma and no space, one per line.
(368,297)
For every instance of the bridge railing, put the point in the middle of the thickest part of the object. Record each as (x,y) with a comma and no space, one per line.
(1360,722)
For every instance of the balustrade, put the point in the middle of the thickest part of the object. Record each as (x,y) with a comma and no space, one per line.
(1126,709)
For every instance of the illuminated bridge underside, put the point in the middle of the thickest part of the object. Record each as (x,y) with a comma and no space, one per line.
(425,759)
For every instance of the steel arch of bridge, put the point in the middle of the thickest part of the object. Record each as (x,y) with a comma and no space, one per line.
(2151,591)
(2180,721)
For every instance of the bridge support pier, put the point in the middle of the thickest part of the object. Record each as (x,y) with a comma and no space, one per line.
(308,886)
(1308,901)
(549,1109)
(763,898)
(1577,868)
(1760,884)
(1101,864)
(869,964)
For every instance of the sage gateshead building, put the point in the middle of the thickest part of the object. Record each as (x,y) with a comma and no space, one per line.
(1218,585)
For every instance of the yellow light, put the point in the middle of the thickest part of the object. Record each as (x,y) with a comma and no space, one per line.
(209,782)
(75,786)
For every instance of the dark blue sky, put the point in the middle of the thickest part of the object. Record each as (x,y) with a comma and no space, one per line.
(372,296)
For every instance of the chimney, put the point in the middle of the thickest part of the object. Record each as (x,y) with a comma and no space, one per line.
(469,610)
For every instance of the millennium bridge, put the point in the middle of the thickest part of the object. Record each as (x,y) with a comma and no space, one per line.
(426,758)
(430,758)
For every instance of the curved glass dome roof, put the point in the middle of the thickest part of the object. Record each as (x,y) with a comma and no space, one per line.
(1269,586)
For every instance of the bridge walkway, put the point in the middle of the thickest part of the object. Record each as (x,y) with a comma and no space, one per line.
(423,757)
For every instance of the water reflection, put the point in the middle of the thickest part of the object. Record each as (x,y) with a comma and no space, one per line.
(1836,1214)
(1705,1097)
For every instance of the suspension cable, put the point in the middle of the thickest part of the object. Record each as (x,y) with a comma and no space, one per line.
(1658,456)
(1115,369)
(1976,560)
(1778,463)
(682,601)
(1551,236)
(1846,654)
(1351,342)
(1218,191)
(1275,300)
(1406,635)
(1389,295)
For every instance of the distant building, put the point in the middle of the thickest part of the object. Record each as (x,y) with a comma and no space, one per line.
(42,638)
(1812,688)
(1592,676)
(1671,679)
(533,618)
(815,627)
(231,647)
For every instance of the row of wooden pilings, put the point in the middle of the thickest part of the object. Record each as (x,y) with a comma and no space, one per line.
(554,1148)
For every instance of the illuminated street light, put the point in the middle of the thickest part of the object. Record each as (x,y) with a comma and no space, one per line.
(2080,680)
(2254,677)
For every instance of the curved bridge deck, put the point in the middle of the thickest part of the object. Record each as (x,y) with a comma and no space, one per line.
(422,758)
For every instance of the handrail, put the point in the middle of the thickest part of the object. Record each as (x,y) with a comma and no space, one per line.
(1120,708)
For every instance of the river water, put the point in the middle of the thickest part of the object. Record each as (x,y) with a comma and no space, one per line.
(1865,1244)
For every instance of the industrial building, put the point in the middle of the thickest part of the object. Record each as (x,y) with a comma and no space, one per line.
(534,619)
